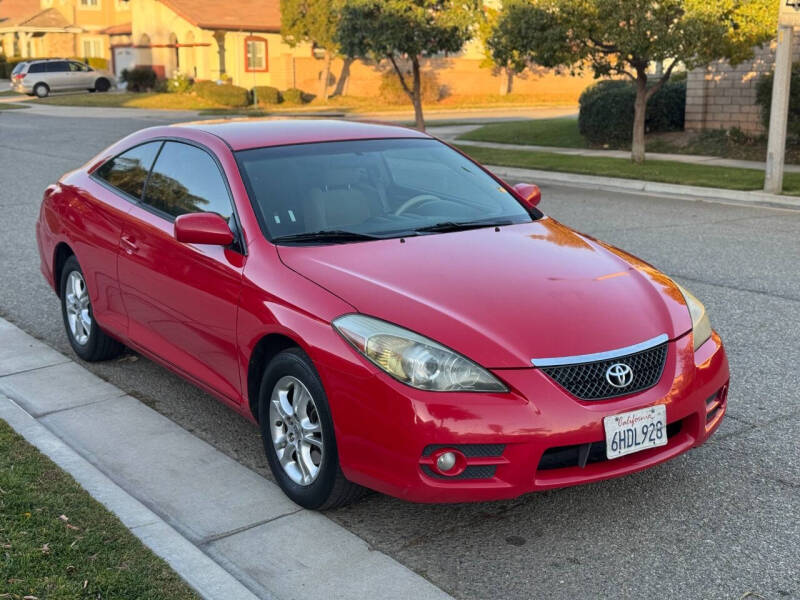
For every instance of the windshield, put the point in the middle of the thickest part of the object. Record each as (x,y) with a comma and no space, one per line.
(379,188)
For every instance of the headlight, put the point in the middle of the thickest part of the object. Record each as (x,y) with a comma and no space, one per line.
(701,324)
(413,359)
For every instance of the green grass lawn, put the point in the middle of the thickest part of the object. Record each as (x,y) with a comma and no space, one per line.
(562,132)
(189,101)
(57,542)
(10,106)
(653,170)
(130,100)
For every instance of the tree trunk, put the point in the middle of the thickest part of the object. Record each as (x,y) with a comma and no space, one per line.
(416,95)
(326,75)
(639,111)
(340,83)
(507,82)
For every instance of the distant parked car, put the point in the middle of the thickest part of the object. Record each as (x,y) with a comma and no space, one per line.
(40,77)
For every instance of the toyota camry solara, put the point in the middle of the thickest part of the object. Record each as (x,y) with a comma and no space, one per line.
(391,314)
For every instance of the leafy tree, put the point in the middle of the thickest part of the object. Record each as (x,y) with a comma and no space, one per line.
(500,60)
(315,22)
(412,29)
(624,37)
(505,35)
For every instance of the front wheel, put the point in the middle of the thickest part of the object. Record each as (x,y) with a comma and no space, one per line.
(297,430)
(102,85)
(85,336)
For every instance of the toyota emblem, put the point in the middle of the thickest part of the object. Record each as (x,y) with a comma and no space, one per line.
(619,375)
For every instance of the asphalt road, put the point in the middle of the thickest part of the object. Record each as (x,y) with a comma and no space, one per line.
(722,521)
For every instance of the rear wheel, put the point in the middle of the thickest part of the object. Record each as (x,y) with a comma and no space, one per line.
(297,430)
(42,90)
(85,336)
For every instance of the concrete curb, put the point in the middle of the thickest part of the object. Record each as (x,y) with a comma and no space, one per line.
(613,184)
(203,574)
(227,531)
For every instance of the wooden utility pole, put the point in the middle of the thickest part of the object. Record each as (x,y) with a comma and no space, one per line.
(789,15)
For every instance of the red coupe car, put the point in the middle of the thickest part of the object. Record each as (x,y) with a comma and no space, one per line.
(391,314)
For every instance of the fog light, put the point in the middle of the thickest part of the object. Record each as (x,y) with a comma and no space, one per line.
(446,461)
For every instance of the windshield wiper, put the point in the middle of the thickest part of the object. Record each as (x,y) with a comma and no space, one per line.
(446,226)
(332,236)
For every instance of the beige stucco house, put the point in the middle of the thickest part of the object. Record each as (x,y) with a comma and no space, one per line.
(44,28)
(237,39)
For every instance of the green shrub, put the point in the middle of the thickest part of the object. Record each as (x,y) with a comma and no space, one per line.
(139,79)
(265,94)
(295,96)
(225,94)
(96,62)
(764,99)
(391,91)
(178,84)
(606,111)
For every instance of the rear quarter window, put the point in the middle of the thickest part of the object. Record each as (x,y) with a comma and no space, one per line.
(128,171)
(37,68)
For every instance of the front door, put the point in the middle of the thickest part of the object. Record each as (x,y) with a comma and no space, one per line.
(182,299)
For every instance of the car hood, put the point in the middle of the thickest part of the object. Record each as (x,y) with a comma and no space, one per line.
(502,298)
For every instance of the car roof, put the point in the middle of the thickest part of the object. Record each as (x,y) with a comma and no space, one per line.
(244,134)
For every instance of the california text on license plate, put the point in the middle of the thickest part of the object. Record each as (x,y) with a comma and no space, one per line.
(636,430)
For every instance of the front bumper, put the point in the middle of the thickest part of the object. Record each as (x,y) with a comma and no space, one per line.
(387,433)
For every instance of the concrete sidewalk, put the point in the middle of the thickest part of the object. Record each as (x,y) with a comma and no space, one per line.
(230,533)
(450,134)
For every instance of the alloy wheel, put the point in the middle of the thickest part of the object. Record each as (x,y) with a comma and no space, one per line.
(296,430)
(77,304)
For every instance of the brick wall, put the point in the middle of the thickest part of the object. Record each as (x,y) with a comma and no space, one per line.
(721,96)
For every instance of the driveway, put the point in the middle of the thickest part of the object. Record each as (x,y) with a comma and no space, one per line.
(720,522)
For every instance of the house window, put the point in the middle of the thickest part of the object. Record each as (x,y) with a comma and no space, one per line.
(92,47)
(123,4)
(94,4)
(255,54)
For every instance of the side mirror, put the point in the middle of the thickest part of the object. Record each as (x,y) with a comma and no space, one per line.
(529,194)
(203,228)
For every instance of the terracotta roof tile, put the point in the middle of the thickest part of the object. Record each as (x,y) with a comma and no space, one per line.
(121,29)
(12,12)
(47,18)
(237,15)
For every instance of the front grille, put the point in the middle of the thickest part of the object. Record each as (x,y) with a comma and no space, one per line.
(587,381)
(570,456)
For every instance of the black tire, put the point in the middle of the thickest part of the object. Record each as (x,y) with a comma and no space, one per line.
(102,85)
(91,90)
(330,489)
(41,90)
(99,345)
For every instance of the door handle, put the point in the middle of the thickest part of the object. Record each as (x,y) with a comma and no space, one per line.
(128,244)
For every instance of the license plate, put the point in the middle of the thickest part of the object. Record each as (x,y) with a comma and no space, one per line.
(637,430)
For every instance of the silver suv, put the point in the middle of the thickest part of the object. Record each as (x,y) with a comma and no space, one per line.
(40,77)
